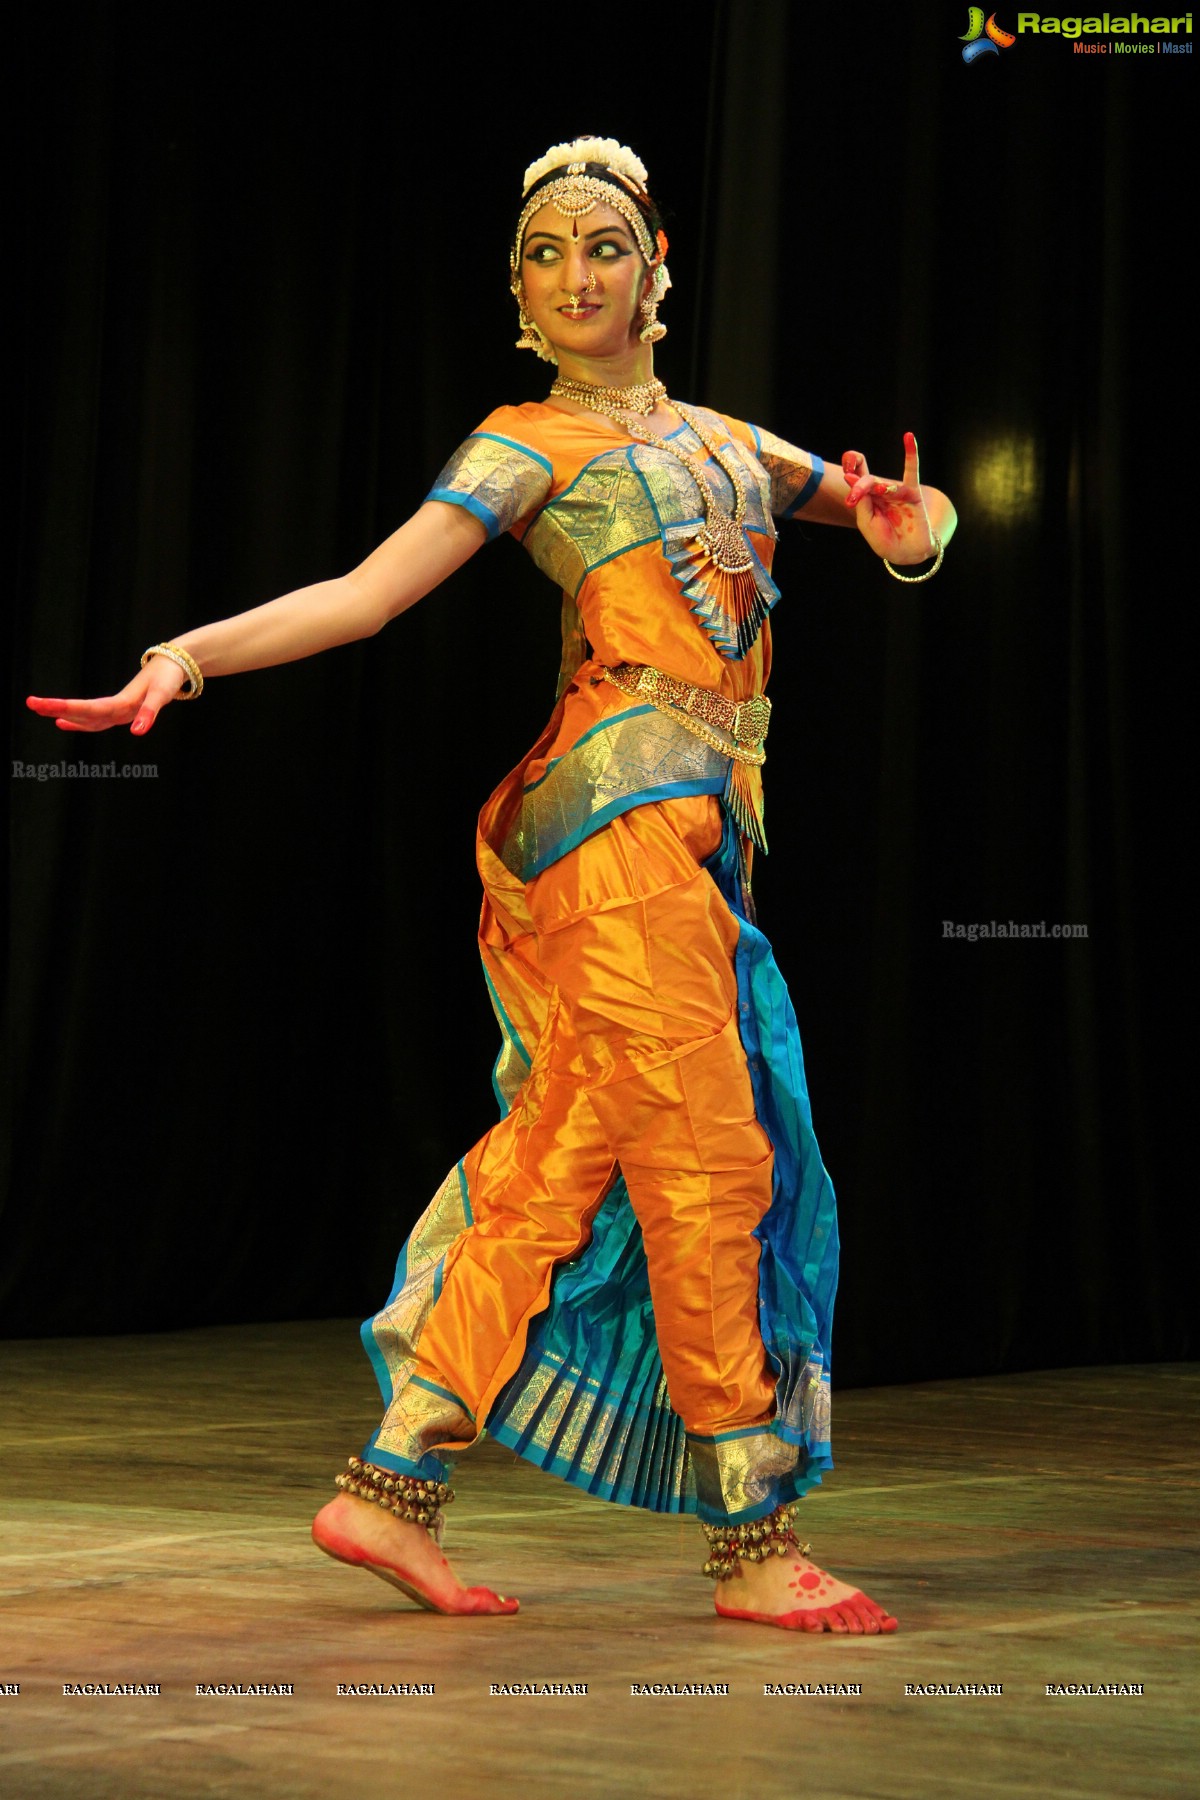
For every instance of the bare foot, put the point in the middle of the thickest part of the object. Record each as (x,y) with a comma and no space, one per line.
(367,1537)
(792,1592)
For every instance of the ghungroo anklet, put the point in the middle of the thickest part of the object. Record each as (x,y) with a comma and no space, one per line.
(404,1496)
(729,1544)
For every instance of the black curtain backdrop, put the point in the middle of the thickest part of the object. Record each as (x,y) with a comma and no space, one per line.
(263,269)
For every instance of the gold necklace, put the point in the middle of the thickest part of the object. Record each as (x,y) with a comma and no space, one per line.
(641,398)
(715,565)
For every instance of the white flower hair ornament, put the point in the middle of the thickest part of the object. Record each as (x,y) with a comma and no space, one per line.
(574,194)
(618,158)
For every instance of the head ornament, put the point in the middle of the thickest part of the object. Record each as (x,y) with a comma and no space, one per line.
(574,193)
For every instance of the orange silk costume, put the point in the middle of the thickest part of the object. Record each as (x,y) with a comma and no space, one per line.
(630,1278)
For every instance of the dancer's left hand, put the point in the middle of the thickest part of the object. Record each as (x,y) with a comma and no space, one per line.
(891,515)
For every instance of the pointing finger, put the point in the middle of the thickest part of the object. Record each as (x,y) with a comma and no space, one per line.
(912,474)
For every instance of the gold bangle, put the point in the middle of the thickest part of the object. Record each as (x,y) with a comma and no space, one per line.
(929,573)
(182,660)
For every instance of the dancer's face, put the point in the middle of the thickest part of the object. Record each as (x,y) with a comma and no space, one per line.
(557,259)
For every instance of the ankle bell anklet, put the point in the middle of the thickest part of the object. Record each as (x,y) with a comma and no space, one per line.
(404,1496)
(729,1544)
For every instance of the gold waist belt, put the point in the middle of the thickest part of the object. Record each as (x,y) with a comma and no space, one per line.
(738,728)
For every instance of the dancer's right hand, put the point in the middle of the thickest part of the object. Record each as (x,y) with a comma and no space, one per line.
(140,700)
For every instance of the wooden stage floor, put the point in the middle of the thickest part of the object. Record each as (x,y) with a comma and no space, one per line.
(1029,1531)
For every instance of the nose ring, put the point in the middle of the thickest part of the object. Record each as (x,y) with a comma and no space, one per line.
(576,299)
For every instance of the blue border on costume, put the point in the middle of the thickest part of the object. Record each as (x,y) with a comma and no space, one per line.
(489,519)
(513,444)
(809,489)
(431,1387)
(629,712)
(452,497)
(811,485)
(625,453)
(667,790)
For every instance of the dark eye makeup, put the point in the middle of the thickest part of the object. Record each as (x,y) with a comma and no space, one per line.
(607,250)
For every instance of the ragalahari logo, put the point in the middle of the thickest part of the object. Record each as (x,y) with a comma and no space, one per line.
(983,40)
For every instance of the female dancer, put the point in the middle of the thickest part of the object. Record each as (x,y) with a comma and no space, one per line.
(630,1278)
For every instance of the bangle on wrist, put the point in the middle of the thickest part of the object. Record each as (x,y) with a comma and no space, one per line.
(929,573)
(182,660)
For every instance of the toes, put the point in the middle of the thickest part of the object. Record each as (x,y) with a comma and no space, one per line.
(872,1616)
(483,1600)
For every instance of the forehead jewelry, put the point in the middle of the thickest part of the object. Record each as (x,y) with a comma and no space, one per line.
(576,194)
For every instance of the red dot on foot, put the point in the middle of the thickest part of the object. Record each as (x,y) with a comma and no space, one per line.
(810,1580)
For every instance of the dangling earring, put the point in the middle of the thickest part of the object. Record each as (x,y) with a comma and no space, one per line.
(652,330)
(531,338)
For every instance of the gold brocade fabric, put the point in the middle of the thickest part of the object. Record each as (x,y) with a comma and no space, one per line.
(574,645)
(790,471)
(494,475)
(606,512)
(397,1327)
(631,1155)
(629,754)
(737,1474)
(607,519)
(420,1421)
(581,1423)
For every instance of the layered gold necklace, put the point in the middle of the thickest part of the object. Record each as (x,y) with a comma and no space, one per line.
(642,397)
(715,564)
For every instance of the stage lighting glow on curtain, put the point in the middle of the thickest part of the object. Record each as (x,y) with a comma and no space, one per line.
(1004,478)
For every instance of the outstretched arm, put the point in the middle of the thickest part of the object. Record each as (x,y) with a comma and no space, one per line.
(438,539)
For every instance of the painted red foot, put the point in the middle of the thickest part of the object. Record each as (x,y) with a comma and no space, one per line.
(856,1616)
(410,1561)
